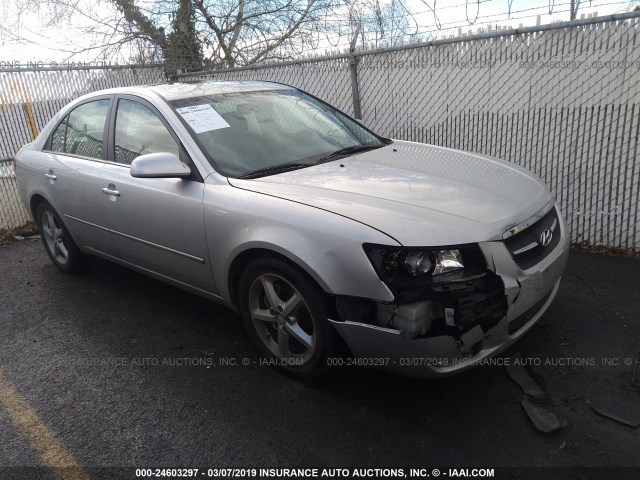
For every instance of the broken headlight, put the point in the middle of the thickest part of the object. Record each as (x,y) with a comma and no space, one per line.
(420,265)
(448,261)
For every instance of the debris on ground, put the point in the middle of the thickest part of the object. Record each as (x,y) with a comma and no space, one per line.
(602,250)
(31,235)
(536,402)
(7,235)
(540,414)
(527,382)
(620,417)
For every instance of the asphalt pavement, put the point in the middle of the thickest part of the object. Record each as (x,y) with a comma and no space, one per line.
(118,370)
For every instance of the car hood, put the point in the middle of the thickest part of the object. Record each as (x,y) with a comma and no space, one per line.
(420,195)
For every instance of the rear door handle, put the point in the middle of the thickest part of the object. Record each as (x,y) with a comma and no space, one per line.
(113,193)
(50,176)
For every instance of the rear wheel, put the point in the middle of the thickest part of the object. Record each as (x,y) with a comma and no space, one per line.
(286,315)
(58,244)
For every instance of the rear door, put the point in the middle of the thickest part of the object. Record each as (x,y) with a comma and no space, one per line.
(77,151)
(158,222)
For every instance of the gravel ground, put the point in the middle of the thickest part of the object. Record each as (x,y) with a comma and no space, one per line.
(170,403)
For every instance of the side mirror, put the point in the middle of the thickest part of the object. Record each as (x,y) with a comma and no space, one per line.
(158,165)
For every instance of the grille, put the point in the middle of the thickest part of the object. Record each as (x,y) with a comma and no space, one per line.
(526,247)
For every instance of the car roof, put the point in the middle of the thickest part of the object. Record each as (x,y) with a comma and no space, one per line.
(174,91)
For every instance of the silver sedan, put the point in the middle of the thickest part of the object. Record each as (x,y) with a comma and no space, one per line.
(336,246)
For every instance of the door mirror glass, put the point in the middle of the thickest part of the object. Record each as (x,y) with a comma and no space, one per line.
(159,165)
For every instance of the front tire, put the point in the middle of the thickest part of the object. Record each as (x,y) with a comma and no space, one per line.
(286,314)
(58,244)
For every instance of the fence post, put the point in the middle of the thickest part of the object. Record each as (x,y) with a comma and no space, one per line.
(353,68)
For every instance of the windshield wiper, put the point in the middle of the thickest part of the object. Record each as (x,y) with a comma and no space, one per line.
(274,169)
(348,151)
(295,165)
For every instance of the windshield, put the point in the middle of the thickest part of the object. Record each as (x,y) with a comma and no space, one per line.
(260,133)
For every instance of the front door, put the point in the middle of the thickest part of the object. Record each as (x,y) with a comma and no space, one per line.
(158,222)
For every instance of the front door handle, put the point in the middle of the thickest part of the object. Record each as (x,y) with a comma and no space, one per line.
(111,191)
(50,176)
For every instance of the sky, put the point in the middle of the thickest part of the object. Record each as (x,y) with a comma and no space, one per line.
(33,38)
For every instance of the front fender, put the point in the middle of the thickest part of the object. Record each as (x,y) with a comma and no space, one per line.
(325,245)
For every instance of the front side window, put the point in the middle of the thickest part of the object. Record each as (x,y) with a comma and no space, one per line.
(139,131)
(257,132)
(81,132)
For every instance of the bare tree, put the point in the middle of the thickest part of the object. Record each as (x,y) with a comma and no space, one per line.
(184,43)
(236,32)
(229,33)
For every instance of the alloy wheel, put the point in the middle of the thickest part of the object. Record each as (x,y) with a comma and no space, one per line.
(54,237)
(282,318)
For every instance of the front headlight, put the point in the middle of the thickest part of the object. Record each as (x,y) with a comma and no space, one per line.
(414,266)
(448,261)
(417,263)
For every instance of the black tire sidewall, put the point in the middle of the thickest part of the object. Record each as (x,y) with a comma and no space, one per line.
(317,301)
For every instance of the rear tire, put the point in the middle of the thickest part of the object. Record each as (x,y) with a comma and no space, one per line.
(58,244)
(285,314)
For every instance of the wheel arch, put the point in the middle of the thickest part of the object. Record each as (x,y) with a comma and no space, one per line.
(38,199)
(246,256)
(35,201)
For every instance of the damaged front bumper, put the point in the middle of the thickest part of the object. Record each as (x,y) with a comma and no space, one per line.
(528,292)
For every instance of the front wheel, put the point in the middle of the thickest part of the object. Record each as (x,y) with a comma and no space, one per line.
(59,245)
(286,315)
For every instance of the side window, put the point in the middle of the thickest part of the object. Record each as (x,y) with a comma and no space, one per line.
(139,131)
(82,131)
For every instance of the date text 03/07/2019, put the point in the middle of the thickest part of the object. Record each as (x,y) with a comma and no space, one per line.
(286,473)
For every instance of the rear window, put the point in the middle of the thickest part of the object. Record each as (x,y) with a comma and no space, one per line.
(81,132)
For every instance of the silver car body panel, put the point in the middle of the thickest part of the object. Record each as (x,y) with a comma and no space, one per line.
(327,246)
(421,195)
(189,233)
(159,225)
(79,179)
(201,89)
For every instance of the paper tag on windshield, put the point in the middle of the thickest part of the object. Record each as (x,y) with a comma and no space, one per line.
(202,118)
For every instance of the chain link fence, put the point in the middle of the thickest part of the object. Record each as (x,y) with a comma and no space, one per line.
(12,212)
(561,100)
(30,98)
